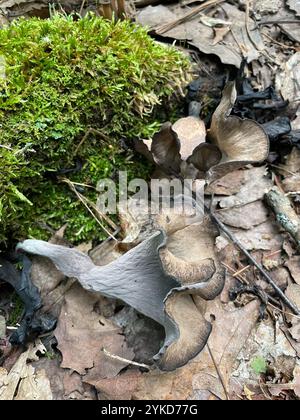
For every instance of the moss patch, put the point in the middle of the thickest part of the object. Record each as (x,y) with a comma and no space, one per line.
(62,76)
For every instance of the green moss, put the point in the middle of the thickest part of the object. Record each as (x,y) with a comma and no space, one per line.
(63,76)
(17,310)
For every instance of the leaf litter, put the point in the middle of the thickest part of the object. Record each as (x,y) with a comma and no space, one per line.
(249,342)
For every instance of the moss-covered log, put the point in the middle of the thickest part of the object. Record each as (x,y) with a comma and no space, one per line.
(60,77)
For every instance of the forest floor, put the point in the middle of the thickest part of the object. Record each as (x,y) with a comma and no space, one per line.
(101,348)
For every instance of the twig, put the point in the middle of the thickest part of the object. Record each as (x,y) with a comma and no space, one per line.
(218,372)
(282,169)
(279,43)
(233,271)
(247,19)
(82,6)
(5,147)
(121,359)
(89,131)
(266,275)
(285,214)
(189,15)
(84,202)
(279,22)
(238,273)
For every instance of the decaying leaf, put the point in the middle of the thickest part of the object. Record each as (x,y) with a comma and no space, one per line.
(227,185)
(23,382)
(82,333)
(294,5)
(240,141)
(235,45)
(139,279)
(257,213)
(65,384)
(293,293)
(291,172)
(293,265)
(288,81)
(255,185)
(230,331)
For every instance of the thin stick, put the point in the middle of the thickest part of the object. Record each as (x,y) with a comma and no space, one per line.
(5,147)
(279,43)
(282,169)
(189,15)
(241,271)
(266,275)
(218,372)
(241,278)
(279,22)
(89,131)
(82,6)
(82,199)
(121,359)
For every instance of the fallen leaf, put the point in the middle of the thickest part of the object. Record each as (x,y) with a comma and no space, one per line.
(65,384)
(265,236)
(249,394)
(230,331)
(256,184)
(202,36)
(82,333)
(294,5)
(265,7)
(256,212)
(23,382)
(220,34)
(293,265)
(227,185)
(293,293)
(288,81)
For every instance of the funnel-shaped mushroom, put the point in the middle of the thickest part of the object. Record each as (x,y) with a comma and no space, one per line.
(240,141)
(153,281)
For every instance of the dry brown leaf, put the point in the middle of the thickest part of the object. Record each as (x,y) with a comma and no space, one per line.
(23,382)
(291,184)
(295,331)
(227,185)
(256,183)
(235,45)
(294,5)
(220,34)
(265,237)
(82,333)
(256,213)
(65,384)
(292,163)
(293,293)
(293,265)
(288,81)
(230,331)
